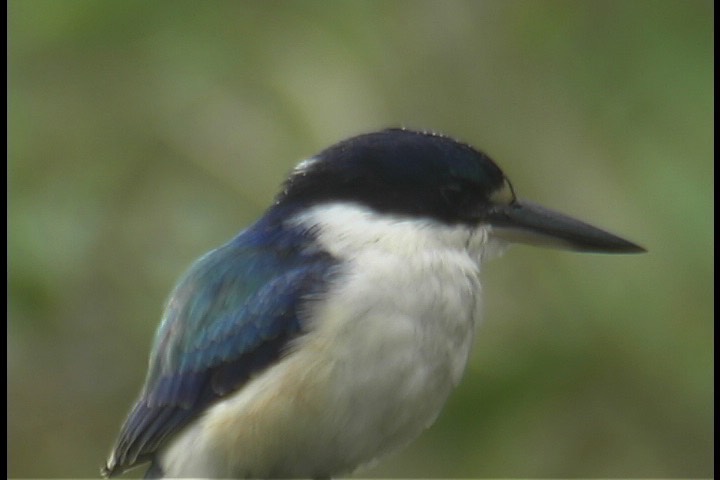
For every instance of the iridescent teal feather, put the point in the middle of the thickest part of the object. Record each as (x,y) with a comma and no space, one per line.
(233,313)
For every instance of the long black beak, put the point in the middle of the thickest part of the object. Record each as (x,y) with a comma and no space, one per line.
(527,222)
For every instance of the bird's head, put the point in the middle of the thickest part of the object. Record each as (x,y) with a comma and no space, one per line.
(411,175)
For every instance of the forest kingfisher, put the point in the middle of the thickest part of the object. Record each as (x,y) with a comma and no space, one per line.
(332,330)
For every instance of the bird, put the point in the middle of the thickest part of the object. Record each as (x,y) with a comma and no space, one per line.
(332,330)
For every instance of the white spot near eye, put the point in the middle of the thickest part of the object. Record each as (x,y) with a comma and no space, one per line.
(504,195)
(304,166)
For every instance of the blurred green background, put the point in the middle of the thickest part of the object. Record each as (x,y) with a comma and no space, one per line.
(143,134)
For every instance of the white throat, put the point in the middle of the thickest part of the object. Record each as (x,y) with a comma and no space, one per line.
(345,229)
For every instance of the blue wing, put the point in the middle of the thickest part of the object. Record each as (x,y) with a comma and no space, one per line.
(231,316)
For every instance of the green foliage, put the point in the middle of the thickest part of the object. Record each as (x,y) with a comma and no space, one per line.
(143,134)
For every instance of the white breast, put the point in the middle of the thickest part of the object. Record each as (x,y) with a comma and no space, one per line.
(385,350)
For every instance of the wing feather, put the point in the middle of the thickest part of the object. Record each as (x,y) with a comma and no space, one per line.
(231,316)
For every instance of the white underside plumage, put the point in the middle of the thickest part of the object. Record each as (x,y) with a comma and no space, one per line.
(384,350)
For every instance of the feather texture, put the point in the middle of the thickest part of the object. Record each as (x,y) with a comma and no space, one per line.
(233,314)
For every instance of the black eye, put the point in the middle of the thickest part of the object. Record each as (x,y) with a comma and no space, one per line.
(452,194)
